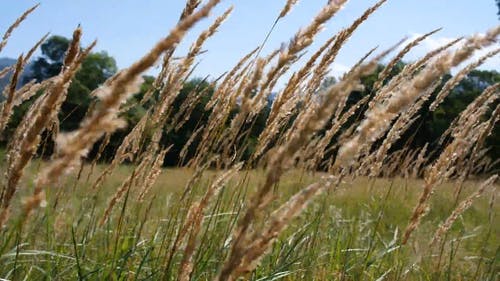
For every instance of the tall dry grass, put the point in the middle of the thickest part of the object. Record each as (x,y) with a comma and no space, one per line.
(231,219)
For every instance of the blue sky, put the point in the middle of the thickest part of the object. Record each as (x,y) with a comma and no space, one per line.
(126,29)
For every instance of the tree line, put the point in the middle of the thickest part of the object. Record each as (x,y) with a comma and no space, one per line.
(99,66)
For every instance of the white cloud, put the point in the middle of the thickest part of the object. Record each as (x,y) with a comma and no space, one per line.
(338,69)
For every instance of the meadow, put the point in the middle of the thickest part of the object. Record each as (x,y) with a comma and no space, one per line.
(350,233)
(327,191)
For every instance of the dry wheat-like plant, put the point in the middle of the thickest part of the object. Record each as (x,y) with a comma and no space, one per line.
(10,92)
(16,23)
(282,159)
(260,241)
(104,120)
(194,219)
(462,207)
(450,84)
(389,67)
(125,83)
(35,121)
(171,90)
(443,167)
(380,116)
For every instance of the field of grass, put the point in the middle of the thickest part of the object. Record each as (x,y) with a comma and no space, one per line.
(348,233)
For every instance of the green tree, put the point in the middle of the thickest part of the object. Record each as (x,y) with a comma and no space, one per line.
(51,61)
(95,69)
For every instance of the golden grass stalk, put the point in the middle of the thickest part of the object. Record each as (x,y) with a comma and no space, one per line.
(126,185)
(192,100)
(26,58)
(379,117)
(477,108)
(320,147)
(342,37)
(26,92)
(260,241)
(191,215)
(248,102)
(191,5)
(425,59)
(188,10)
(287,8)
(5,71)
(104,118)
(443,167)
(483,130)
(127,150)
(293,84)
(74,48)
(382,76)
(278,116)
(171,90)
(450,84)
(228,79)
(302,39)
(153,174)
(409,72)
(16,23)
(419,161)
(102,146)
(144,174)
(28,135)
(187,145)
(194,220)
(282,158)
(488,129)
(402,123)
(9,92)
(479,104)
(356,73)
(360,61)
(33,49)
(215,131)
(406,167)
(197,175)
(15,98)
(46,113)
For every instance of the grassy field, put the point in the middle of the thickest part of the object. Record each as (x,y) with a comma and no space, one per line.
(350,233)
(322,184)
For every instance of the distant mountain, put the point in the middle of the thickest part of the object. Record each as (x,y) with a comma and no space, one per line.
(6,62)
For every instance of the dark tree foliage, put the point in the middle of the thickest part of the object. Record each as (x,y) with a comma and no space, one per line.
(99,66)
(95,69)
(498,4)
(51,61)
